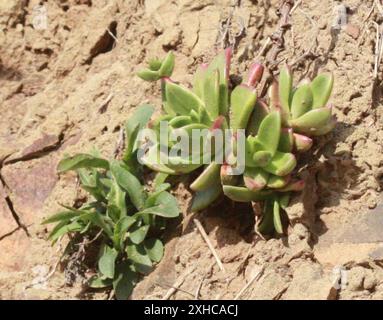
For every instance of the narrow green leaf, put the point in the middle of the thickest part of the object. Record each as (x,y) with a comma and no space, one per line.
(154,248)
(140,258)
(65,215)
(321,87)
(98,282)
(124,281)
(165,205)
(120,229)
(137,121)
(129,183)
(277,218)
(107,261)
(82,160)
(159,179)
(284,200)
(63,228)
(138,234)
(266,226)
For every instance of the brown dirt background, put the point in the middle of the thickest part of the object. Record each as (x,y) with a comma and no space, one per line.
(72,86)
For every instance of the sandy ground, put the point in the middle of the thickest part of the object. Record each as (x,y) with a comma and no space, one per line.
(71,86)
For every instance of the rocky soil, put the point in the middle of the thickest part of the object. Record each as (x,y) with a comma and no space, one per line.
(71,86)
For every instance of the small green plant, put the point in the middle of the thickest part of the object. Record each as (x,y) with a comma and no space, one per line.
(278,128)
(121,212)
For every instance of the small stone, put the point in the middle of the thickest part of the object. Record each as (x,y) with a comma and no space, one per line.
(352,30)
(355,278)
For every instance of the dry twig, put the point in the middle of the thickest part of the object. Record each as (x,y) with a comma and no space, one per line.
(256,276)
(207,240)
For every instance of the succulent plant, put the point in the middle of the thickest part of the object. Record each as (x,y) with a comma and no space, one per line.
(277,128)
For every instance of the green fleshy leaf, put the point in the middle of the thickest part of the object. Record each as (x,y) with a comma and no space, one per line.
(302,143)
(255,178)
(154,248)
(321,87)
(261,158)
(148,75)
(281,164)
(276,182)
(82,160)
(155,64)
(254,157)
(286,141)
(180,99)
(241,194)
(325,129)
(167,65)
(202,199)
(312,120)
(285,90)
(124,281)
(208,177)
(243,100)
(293,186)
(211,94)
(277,218)
(302,101)
(269,132)
(180,121)
(106,263)
(260,112)
(129,183)
(226,178)
(199,80)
